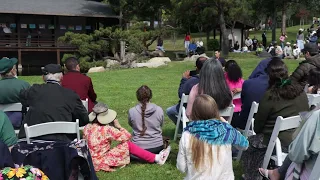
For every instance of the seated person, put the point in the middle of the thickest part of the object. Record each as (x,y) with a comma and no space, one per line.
(314,81)
(296,52)
(50,102)
(146,120)
(236,46)
(104,130)
(253,89)
(187,82)
(283,98)
(233,74)
(219,58)
(287,51)
(7,134)
(79,83)
(312,56)
(302,152)
(205,145)
(260,49)
(10,87)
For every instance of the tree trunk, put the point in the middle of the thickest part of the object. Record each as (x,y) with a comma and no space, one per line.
(232,28)
(224,36)
(208,36)
(152,22)
(284,19)
(274,23)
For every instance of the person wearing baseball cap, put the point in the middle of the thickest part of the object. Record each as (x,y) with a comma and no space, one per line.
(50,102)
(311,52)
(10,87)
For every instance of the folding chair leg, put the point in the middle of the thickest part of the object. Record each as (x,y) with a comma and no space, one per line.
(177,129)
(239,155)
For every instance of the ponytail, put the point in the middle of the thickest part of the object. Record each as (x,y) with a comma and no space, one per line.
(143,110)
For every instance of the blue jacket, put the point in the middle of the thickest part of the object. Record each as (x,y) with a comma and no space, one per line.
(186,86)
(253,89)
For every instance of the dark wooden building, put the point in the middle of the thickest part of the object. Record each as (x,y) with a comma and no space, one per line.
(29,29)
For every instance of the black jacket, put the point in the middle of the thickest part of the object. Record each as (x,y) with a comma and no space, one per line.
(301,74)
(51,103)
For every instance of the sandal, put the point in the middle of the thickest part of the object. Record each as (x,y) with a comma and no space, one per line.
(264,173)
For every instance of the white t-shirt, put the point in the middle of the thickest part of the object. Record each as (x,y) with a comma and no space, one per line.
(7,30)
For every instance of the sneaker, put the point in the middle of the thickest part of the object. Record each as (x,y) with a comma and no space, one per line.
(164,154)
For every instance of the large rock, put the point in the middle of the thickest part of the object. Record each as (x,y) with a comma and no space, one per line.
(159,59)
(195,57)
(157,53)
(151,64)
(96,69)
(111,63)
(130,57)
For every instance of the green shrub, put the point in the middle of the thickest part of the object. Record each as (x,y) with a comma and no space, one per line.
(213,44)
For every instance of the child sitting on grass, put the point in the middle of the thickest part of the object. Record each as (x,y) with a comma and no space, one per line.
(105,129)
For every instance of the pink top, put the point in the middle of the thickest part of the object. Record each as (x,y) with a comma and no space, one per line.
(232,85)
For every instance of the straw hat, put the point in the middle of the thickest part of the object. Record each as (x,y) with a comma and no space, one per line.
(288,43)
(102,113)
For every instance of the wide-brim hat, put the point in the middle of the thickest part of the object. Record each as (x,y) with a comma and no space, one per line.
(7,64)
(102,113)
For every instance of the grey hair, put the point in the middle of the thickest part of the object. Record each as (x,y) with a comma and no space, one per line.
(10,73)
(53,77)
(213,83)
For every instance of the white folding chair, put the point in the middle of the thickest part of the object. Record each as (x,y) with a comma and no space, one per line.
(250,122)
(314,99)
(52,128)
(11,107)
(228,112)
(315,173)
(237,96)
(282,124)
(85,103)
(184,100)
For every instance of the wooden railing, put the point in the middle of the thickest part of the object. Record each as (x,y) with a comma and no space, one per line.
(39,42)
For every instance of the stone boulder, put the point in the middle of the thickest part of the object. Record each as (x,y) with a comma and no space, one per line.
(157,53)
(195,57)
(96,69)
(159,59)
(150,65)
(111,63)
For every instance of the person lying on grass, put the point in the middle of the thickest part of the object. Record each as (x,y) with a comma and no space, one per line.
(105,129)
(205,145)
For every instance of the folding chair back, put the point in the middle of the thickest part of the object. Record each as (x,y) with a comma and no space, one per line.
(282,124)
(183,100)
(11,107)
(52,128)
(228,112)
(315,173)
(314,99)
(85,103)
(250,121)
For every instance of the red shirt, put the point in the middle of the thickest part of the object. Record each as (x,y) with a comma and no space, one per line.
(187,38)
(82,85)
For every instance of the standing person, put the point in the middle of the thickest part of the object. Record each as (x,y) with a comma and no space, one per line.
(213,83)
(187,40)
(205,145)
(50,102)
(264,39)
(104,130)
(217,56)
(282,39)
(79,83)
(235,81)
(254,43)
(10,87)
(300,39)
(248,43)
(146,120)
(283,98)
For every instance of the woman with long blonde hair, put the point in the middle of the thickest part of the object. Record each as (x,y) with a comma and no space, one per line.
(205,145)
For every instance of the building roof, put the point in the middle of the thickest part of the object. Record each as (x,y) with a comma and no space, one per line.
(83,8)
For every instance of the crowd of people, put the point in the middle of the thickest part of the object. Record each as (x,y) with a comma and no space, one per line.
(208,142)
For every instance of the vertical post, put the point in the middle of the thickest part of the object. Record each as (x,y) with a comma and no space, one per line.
(241,43)
(58,56)
(19,58)
(18,29)
(122,49)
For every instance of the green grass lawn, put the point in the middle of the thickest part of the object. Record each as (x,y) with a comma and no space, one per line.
(117,89)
